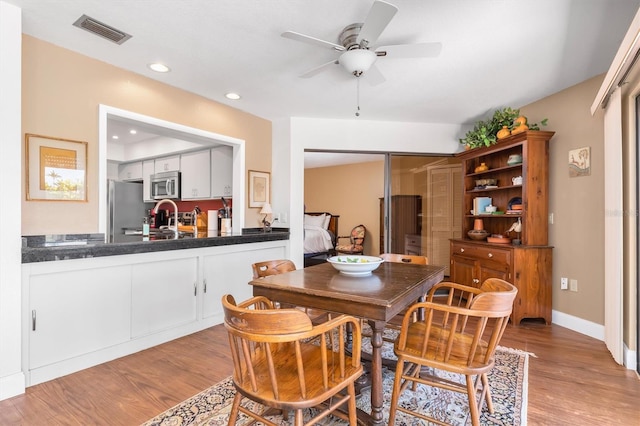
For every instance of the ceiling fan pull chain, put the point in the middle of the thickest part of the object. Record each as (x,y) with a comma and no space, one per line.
(358,97)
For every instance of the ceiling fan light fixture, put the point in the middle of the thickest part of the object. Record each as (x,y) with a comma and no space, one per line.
(357,61)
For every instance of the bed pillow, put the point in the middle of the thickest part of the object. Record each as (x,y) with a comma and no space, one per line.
(327,218)
(311,220)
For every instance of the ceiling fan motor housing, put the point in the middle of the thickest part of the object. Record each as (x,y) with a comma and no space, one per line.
(349,37)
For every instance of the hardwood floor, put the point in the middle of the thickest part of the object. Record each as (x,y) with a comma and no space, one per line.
(572,380)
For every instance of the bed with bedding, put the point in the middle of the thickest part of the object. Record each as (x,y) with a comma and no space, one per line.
(320,233)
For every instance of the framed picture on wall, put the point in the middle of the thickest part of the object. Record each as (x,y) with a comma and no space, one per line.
(259,188)
(56,168)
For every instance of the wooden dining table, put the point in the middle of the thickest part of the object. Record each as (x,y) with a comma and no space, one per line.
(377,298)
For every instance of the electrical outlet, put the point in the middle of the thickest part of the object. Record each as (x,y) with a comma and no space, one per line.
(564,283)
(573,285)
(550,218)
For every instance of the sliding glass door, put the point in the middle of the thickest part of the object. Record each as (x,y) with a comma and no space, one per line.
(410,204)
(423,206)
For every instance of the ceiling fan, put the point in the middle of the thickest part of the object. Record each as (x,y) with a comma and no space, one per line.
(356,41)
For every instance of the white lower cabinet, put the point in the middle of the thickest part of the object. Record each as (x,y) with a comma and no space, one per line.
(76,312)
(83,312)
(229,273)
(163,295)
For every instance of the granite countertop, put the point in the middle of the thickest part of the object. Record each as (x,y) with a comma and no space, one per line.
(46,248)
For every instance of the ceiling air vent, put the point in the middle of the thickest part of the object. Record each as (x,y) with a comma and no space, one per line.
(103,30)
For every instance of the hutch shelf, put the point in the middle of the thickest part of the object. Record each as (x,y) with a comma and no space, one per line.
(526,265)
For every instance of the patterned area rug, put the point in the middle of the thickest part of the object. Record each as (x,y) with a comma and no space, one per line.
(508,381)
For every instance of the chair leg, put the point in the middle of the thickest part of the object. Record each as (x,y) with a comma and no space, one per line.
(397,381)
(486,391)
(299,420)
(353,413)
(234,409)
(473,403)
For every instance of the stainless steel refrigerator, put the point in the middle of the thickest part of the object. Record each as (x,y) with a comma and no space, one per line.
(126,211)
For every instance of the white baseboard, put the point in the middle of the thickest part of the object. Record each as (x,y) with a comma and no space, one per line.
(590,329)
(579,325)
(12,385)
(630,358)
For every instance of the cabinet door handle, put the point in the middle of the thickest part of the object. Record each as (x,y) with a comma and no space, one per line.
(195,288)
(490,255)
(33,320)
(461,250)
(476,281)
(204,284)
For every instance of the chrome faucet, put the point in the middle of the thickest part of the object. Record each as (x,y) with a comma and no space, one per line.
(194,220)
(175,215)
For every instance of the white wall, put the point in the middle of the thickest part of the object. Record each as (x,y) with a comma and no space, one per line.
(345,135)
(11,378)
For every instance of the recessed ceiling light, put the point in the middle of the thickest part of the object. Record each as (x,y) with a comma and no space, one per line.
(133,131)
(232,96)
(158,67)
(115,137)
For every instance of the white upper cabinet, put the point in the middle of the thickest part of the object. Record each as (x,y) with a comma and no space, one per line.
(167,164)
(221,171)
(148,168)
(130,171)
(195,168)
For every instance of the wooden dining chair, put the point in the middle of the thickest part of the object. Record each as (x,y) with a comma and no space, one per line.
(405,258)
(458,336)
(280,266)
(396,321)
(272,267)
(276,363)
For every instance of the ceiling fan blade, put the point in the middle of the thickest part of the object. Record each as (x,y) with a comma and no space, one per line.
(311,40)
(418,50)
(377,20)
(319,69)
(374,76)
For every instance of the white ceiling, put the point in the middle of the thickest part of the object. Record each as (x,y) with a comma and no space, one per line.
(495,52)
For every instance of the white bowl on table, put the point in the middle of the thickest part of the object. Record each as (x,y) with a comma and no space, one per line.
(355,265)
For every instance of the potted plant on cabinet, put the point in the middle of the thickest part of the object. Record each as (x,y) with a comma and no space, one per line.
(484,132)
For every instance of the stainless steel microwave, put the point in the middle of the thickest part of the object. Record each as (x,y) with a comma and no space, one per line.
(165,185)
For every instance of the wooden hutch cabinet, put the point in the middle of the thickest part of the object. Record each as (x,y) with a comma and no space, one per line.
(527,265)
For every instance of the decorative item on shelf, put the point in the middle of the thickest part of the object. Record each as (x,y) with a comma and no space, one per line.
(517,228)
(481,168)
(516,180)
(477,234)
(504,132)
(498,239)
(486,183)
(490,209)
(478,225)
(514,159)
(520,125)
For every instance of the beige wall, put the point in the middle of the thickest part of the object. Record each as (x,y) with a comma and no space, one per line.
(61,91)
(576,203)
(353,191)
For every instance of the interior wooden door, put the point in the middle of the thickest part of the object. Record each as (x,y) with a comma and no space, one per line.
(443,214)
